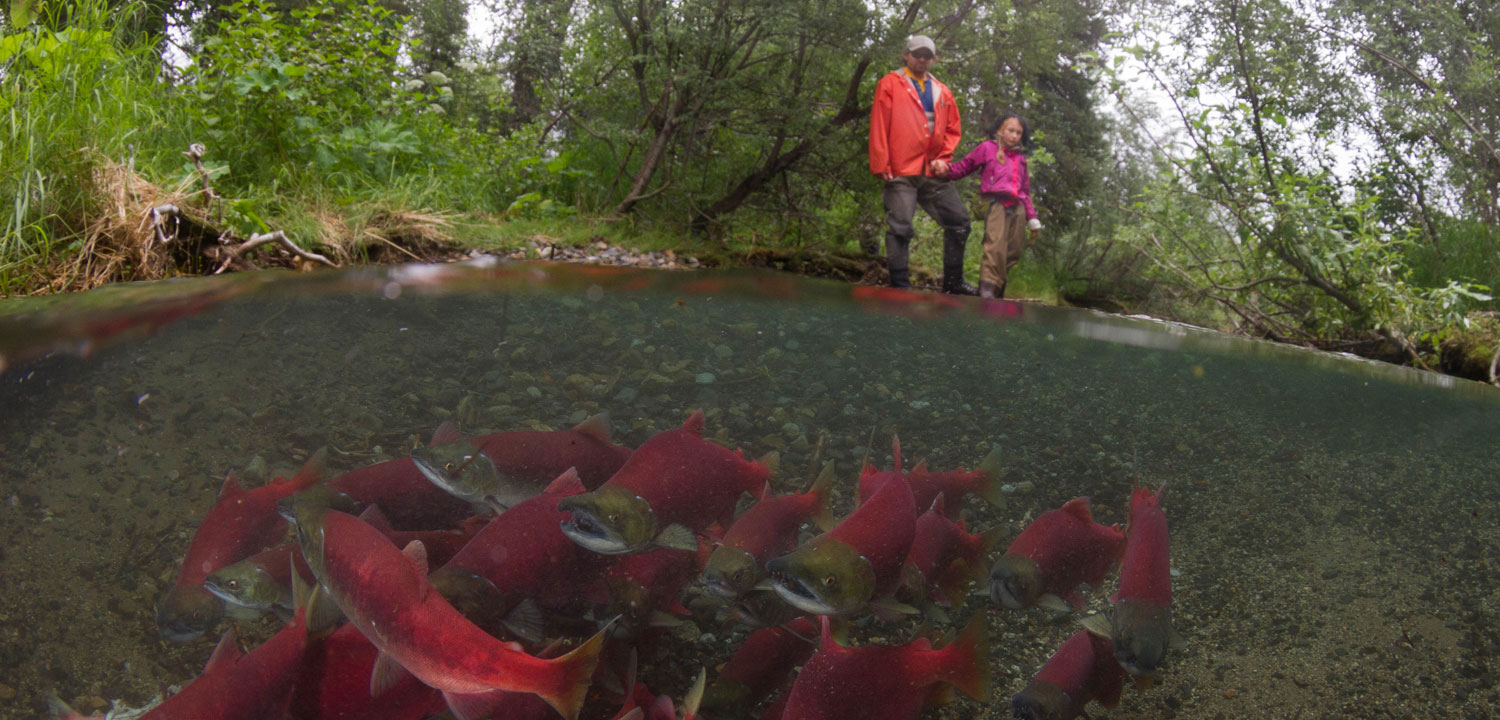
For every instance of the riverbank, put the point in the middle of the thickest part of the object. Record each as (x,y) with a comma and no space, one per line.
(177,240)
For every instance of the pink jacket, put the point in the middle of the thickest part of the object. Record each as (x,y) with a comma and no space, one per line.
(1005,179)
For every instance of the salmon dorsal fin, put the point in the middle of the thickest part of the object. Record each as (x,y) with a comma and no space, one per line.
(567,483)
(920,468)
(445,433)
(1079,507)
(896,451)
(231,486)
(694,423)
(416,554)
(373,517)
(596,427)
(313,470)
(939,505)
(226,653)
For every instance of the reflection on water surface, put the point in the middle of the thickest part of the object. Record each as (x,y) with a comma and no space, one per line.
(1334,522)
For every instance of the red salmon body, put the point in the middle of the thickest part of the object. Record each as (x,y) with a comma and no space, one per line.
(407,498)
(946,555)
(335,685)
(882,529)
(1069,548)
(538,456)
(1145,571)
(1081,671)
(769,527)
(243,522)
(760,666)
(885,683)
(385,593)
(525,554)
(688,480)
(255,686)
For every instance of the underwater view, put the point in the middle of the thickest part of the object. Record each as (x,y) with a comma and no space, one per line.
(1310,535)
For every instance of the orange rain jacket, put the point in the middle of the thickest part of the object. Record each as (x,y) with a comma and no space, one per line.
(900,143)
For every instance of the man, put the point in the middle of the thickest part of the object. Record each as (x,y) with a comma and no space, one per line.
(914,129)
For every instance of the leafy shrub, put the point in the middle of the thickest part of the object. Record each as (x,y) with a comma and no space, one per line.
(319,86)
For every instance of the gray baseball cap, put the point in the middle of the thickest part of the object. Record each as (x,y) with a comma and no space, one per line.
(917,42)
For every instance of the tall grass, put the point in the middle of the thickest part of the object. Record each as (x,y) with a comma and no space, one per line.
(72,91)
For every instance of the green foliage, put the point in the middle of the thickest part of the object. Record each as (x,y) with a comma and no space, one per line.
(72,90)
(319,87)
(1245,210)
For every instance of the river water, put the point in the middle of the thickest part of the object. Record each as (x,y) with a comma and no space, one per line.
(1335,523)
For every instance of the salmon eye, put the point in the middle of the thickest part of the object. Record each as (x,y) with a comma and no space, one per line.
(233,584)
(830,581)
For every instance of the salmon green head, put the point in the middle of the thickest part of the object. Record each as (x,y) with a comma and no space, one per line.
(460,469)
(1141,632)
(1014,582)
(824,577)
(186,612)
(248,585)
(731,572)
(609,521)
(1041,700)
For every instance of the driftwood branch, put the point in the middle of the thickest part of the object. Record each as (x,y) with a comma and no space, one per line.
(236,252)
(159,217)
(195,152)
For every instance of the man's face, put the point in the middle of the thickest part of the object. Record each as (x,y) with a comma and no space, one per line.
(918,61)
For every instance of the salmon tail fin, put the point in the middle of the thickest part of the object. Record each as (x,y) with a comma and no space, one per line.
(966,661)
(313,470)
(990,539)
(821,489)
(577,670)
(953,585)
(990,487)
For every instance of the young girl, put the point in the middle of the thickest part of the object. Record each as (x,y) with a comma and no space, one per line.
(1007,184)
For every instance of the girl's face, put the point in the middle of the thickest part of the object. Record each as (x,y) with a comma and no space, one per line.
(1009,134)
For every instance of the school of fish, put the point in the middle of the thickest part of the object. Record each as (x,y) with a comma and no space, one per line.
(523,575)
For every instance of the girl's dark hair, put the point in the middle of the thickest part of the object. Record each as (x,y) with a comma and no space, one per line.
(989,133)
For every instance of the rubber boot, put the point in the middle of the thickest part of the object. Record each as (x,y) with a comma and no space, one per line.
(988,290)
(901,278)
(953,281)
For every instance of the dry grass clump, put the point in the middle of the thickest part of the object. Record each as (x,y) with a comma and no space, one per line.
(121,238)
(133,229)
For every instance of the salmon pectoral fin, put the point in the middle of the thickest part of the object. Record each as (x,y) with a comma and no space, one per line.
(386,674)
(471,706)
